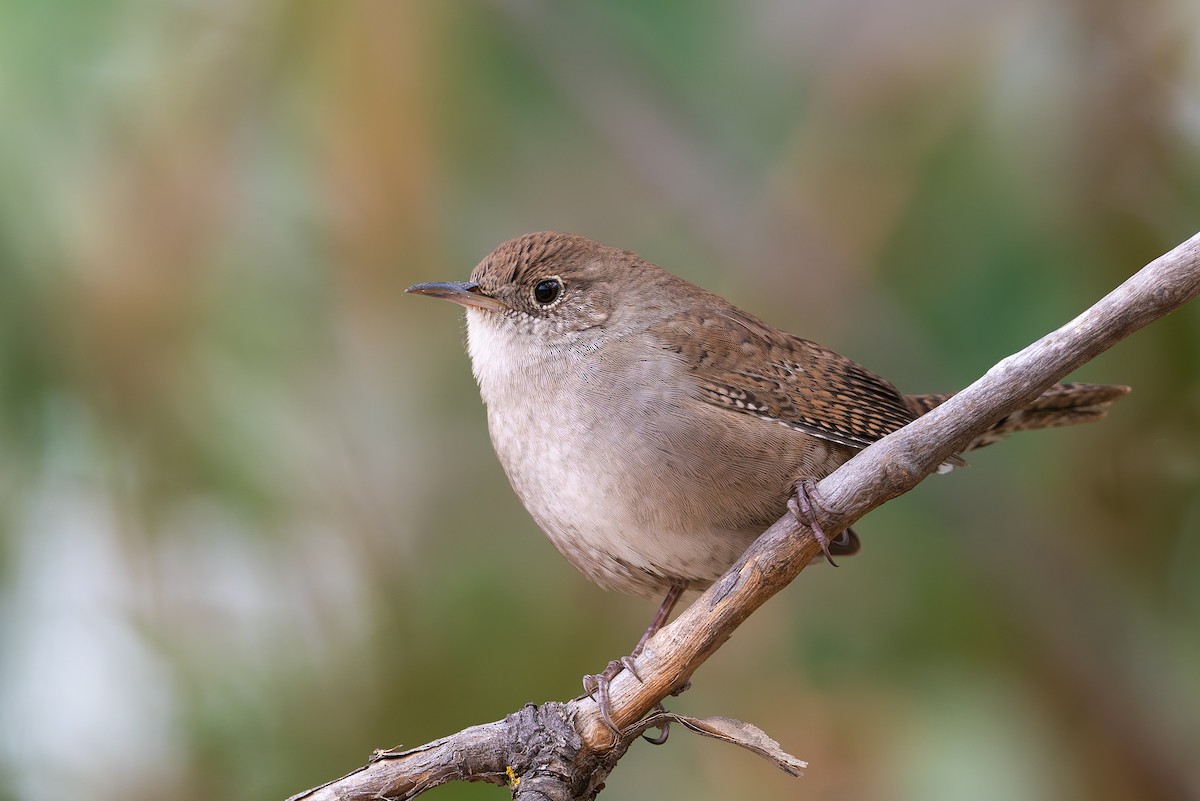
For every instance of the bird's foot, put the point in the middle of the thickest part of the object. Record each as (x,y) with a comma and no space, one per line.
(596,686)
(664,731)
(803,508)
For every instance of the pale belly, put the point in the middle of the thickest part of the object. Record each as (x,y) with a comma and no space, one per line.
(665,490)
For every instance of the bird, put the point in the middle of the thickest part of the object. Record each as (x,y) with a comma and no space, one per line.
(653,430)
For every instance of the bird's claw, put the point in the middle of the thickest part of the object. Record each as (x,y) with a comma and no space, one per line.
(596,687)
(802,507)
(664,731)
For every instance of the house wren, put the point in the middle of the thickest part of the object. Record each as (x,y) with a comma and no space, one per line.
(653,429)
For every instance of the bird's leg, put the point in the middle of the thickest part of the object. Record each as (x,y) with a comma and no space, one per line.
(802,507)
(596,686)
(660,620)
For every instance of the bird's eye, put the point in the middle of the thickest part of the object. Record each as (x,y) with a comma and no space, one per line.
(547,291)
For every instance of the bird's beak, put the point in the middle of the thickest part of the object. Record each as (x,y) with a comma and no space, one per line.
(464,293)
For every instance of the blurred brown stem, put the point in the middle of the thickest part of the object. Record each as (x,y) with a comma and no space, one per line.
(564,751)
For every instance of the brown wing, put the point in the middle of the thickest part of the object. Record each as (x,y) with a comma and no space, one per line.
(741,364)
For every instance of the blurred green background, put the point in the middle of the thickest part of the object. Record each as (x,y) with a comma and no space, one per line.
(250,523)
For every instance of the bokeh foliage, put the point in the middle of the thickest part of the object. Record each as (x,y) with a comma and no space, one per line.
(250,524)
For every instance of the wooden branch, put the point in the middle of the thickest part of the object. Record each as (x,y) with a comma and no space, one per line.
(564,751)
(536,751)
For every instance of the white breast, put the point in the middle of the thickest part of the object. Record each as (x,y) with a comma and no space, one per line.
(587,445)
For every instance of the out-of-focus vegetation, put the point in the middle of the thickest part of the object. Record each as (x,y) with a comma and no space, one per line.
(250,523)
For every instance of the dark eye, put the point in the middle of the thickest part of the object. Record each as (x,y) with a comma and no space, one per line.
(547,291)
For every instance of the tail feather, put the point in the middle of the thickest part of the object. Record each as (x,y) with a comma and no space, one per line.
(1061,405)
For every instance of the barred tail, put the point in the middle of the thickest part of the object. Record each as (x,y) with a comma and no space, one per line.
(1061,405)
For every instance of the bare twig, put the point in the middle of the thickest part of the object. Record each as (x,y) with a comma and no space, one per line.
(565,751)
